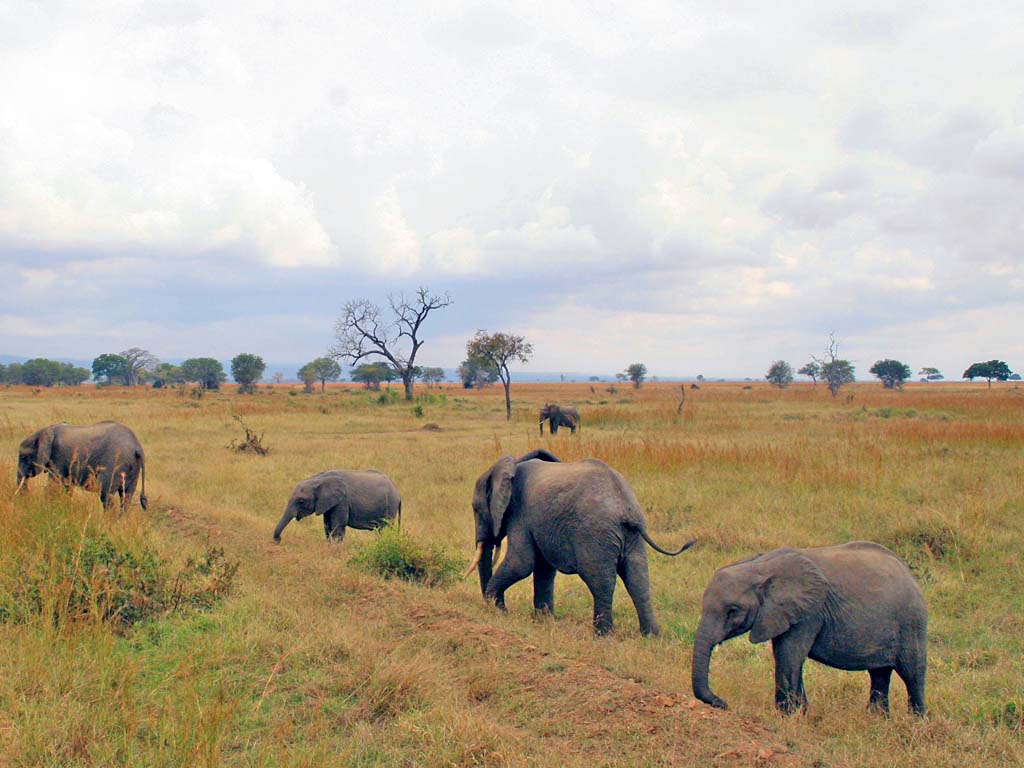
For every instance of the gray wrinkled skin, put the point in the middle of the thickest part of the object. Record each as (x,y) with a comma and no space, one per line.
(105,457)
(580,517)
(364,499)
(853,606)
(558,416)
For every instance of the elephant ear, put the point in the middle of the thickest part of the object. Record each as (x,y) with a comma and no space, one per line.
(330,493)
(792,587)
(44,447)
(500,492)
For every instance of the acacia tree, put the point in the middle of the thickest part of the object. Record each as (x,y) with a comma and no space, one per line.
(780,373)
(993,369)
(476,374)
(930,374)
(636,373)
(247,369)
(324,369)
(833,370)
(308,376)
(432,375)
(499,349)
(812,370)
(364,331)
(892,373)
(372,374)
(111,367)
(140,364)
(209,373)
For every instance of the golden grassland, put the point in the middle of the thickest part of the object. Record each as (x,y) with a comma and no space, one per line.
(310,660)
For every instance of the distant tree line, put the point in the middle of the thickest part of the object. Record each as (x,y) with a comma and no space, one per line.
(836,372)
(41,372)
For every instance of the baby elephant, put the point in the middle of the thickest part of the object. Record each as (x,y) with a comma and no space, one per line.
(358,498)
(104,457)
(853,606)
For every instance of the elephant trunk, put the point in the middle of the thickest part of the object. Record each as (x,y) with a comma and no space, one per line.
(703,644)
(484,567)
(286,518)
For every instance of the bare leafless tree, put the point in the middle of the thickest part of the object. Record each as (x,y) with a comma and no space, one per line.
(366,330)
(140,362)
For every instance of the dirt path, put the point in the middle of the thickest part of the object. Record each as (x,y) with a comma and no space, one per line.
(572,711)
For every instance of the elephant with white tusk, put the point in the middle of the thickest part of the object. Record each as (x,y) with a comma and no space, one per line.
(578,517)
(559,416)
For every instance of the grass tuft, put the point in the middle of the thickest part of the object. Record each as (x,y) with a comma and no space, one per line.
(394,554)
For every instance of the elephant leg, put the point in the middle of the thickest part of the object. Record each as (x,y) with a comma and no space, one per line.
(634,572)
(879,697)
(543,586)
(335,522)
(517,565)
(601,583)
(790,650)
(913,675)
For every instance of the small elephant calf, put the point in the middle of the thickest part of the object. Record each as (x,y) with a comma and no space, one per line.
(364,499)
(853,606)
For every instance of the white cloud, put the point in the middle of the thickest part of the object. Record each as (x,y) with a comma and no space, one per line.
(758,171)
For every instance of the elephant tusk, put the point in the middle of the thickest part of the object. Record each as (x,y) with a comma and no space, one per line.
(498,559)
(18,489)
(476,560)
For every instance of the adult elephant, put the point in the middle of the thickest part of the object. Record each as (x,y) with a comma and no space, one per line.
(364,499)
(558,416)
(574,517)
(854,606)
(105,457)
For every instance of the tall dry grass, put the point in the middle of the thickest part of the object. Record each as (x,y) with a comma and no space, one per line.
(312,660)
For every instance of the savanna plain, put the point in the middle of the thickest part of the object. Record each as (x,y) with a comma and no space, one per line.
(301,656)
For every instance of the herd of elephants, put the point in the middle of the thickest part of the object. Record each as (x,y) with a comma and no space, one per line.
(853,606)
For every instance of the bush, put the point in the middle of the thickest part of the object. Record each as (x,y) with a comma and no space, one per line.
(388,397)
(394,554)
(66,570)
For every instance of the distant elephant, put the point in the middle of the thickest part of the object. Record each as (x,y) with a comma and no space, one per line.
(104,457)
(558,416)
(364,499)
(853,606)
(579,517)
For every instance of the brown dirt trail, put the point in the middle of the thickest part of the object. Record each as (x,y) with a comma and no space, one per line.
(562,711)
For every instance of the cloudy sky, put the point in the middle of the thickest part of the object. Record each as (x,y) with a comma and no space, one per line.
(701,190)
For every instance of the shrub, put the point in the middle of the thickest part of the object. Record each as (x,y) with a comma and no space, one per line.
(388,397)
(394,554)
(68,571)
(417,411)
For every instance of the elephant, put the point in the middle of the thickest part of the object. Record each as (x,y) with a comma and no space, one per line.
(364,499)
(558,416)
(574,517)
(106,457)
(853,606)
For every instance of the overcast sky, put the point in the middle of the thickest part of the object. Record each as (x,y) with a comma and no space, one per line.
(700,190)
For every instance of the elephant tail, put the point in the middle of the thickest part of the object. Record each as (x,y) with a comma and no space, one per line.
(399,514)
(142,496)
(655,547)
